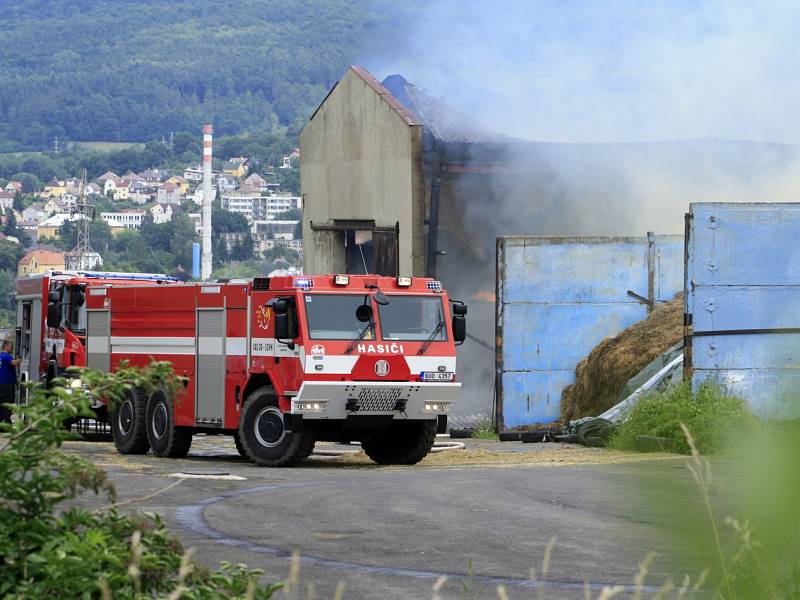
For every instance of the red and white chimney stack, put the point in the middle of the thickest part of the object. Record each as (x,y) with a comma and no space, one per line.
(206,258)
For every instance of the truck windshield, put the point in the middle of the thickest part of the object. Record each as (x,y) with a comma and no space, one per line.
(413,318)
(333,316)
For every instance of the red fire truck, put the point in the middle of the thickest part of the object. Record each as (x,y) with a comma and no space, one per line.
(282,362)
(46,351)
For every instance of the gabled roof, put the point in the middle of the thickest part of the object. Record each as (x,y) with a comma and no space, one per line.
(367,78)
(46,257)
(441,120)
(109,175)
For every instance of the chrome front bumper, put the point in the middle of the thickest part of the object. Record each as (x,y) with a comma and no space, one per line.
(319,400)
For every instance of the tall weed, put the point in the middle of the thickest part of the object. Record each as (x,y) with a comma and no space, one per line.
(715,420)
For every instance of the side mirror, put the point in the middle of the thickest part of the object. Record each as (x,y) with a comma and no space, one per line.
(459,329)
(81,298)
(281,307)
(381,298)
(364,313)
(459,308)
(54,314)
(281,325)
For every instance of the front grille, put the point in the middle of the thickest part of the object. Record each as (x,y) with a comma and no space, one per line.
(378,399)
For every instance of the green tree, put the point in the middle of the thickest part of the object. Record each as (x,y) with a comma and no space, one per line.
(10,253)
(29,181)
(11,228)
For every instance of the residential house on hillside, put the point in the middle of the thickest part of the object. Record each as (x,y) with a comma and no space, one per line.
(126,219)
(131,176)
(55,206)
(140,192)
(109,182)
(94,189)
(73,186)
(69,199)
(290,160)
(122,192)
(31,227)
(193,173)
(182,183)
(169,193)
(268,207)
(54,188)
(226,183)
(197,220)
(14,186)
(49,228)
(40,261)
(197,195)
(162,213)
(236,167)
(6,200)
(153,175)
(35,212)
(256,180)
(241,201)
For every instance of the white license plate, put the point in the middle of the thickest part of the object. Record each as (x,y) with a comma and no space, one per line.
(436,376)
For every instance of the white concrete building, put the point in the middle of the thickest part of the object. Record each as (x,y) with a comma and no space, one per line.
(129,219)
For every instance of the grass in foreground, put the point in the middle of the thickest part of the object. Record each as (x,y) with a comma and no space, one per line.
(52,549)
(716,421)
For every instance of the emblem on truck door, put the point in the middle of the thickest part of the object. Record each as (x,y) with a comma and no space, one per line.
(382,368)
(263,316)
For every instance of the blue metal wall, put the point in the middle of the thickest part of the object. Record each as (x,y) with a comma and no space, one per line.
(743,273)
(557,298)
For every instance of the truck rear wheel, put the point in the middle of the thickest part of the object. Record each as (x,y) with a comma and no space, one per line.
(166,439)
(128,424)
(403,443)
(264,437)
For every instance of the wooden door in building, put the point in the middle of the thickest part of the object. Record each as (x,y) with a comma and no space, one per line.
(371,252)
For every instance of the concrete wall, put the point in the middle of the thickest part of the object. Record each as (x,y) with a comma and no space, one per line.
(361,159)
(743,282)
(557,298)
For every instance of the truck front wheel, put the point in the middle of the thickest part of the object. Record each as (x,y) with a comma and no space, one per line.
(166,439)
(128,424)
(403,443)
(263,435)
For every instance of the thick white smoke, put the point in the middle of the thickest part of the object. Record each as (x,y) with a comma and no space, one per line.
(600,71)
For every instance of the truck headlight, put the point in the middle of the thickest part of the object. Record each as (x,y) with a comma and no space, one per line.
(437,407)
(313,406)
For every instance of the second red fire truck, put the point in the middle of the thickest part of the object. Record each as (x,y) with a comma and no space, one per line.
(278,363)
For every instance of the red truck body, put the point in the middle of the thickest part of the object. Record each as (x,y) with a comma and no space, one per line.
(278,363)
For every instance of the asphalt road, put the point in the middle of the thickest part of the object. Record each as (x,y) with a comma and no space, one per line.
(391,532)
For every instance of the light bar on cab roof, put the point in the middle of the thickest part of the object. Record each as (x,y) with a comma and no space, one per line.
(404,282)
(435,286)
(304,283)
(341,279)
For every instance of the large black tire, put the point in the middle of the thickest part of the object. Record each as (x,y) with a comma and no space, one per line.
(239,447)
(264,437)
(128,424)
(403,443)
(166,439)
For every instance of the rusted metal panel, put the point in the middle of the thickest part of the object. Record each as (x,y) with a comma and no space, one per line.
(743,294)
(558,297)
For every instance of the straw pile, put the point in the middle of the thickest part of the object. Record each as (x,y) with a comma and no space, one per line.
(601,376)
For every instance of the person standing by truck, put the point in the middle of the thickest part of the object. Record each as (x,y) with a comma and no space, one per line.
(8,380)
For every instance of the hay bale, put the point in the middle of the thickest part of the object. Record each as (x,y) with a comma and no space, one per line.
(601,376)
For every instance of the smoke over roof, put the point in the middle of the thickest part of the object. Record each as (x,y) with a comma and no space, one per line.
(444,122)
